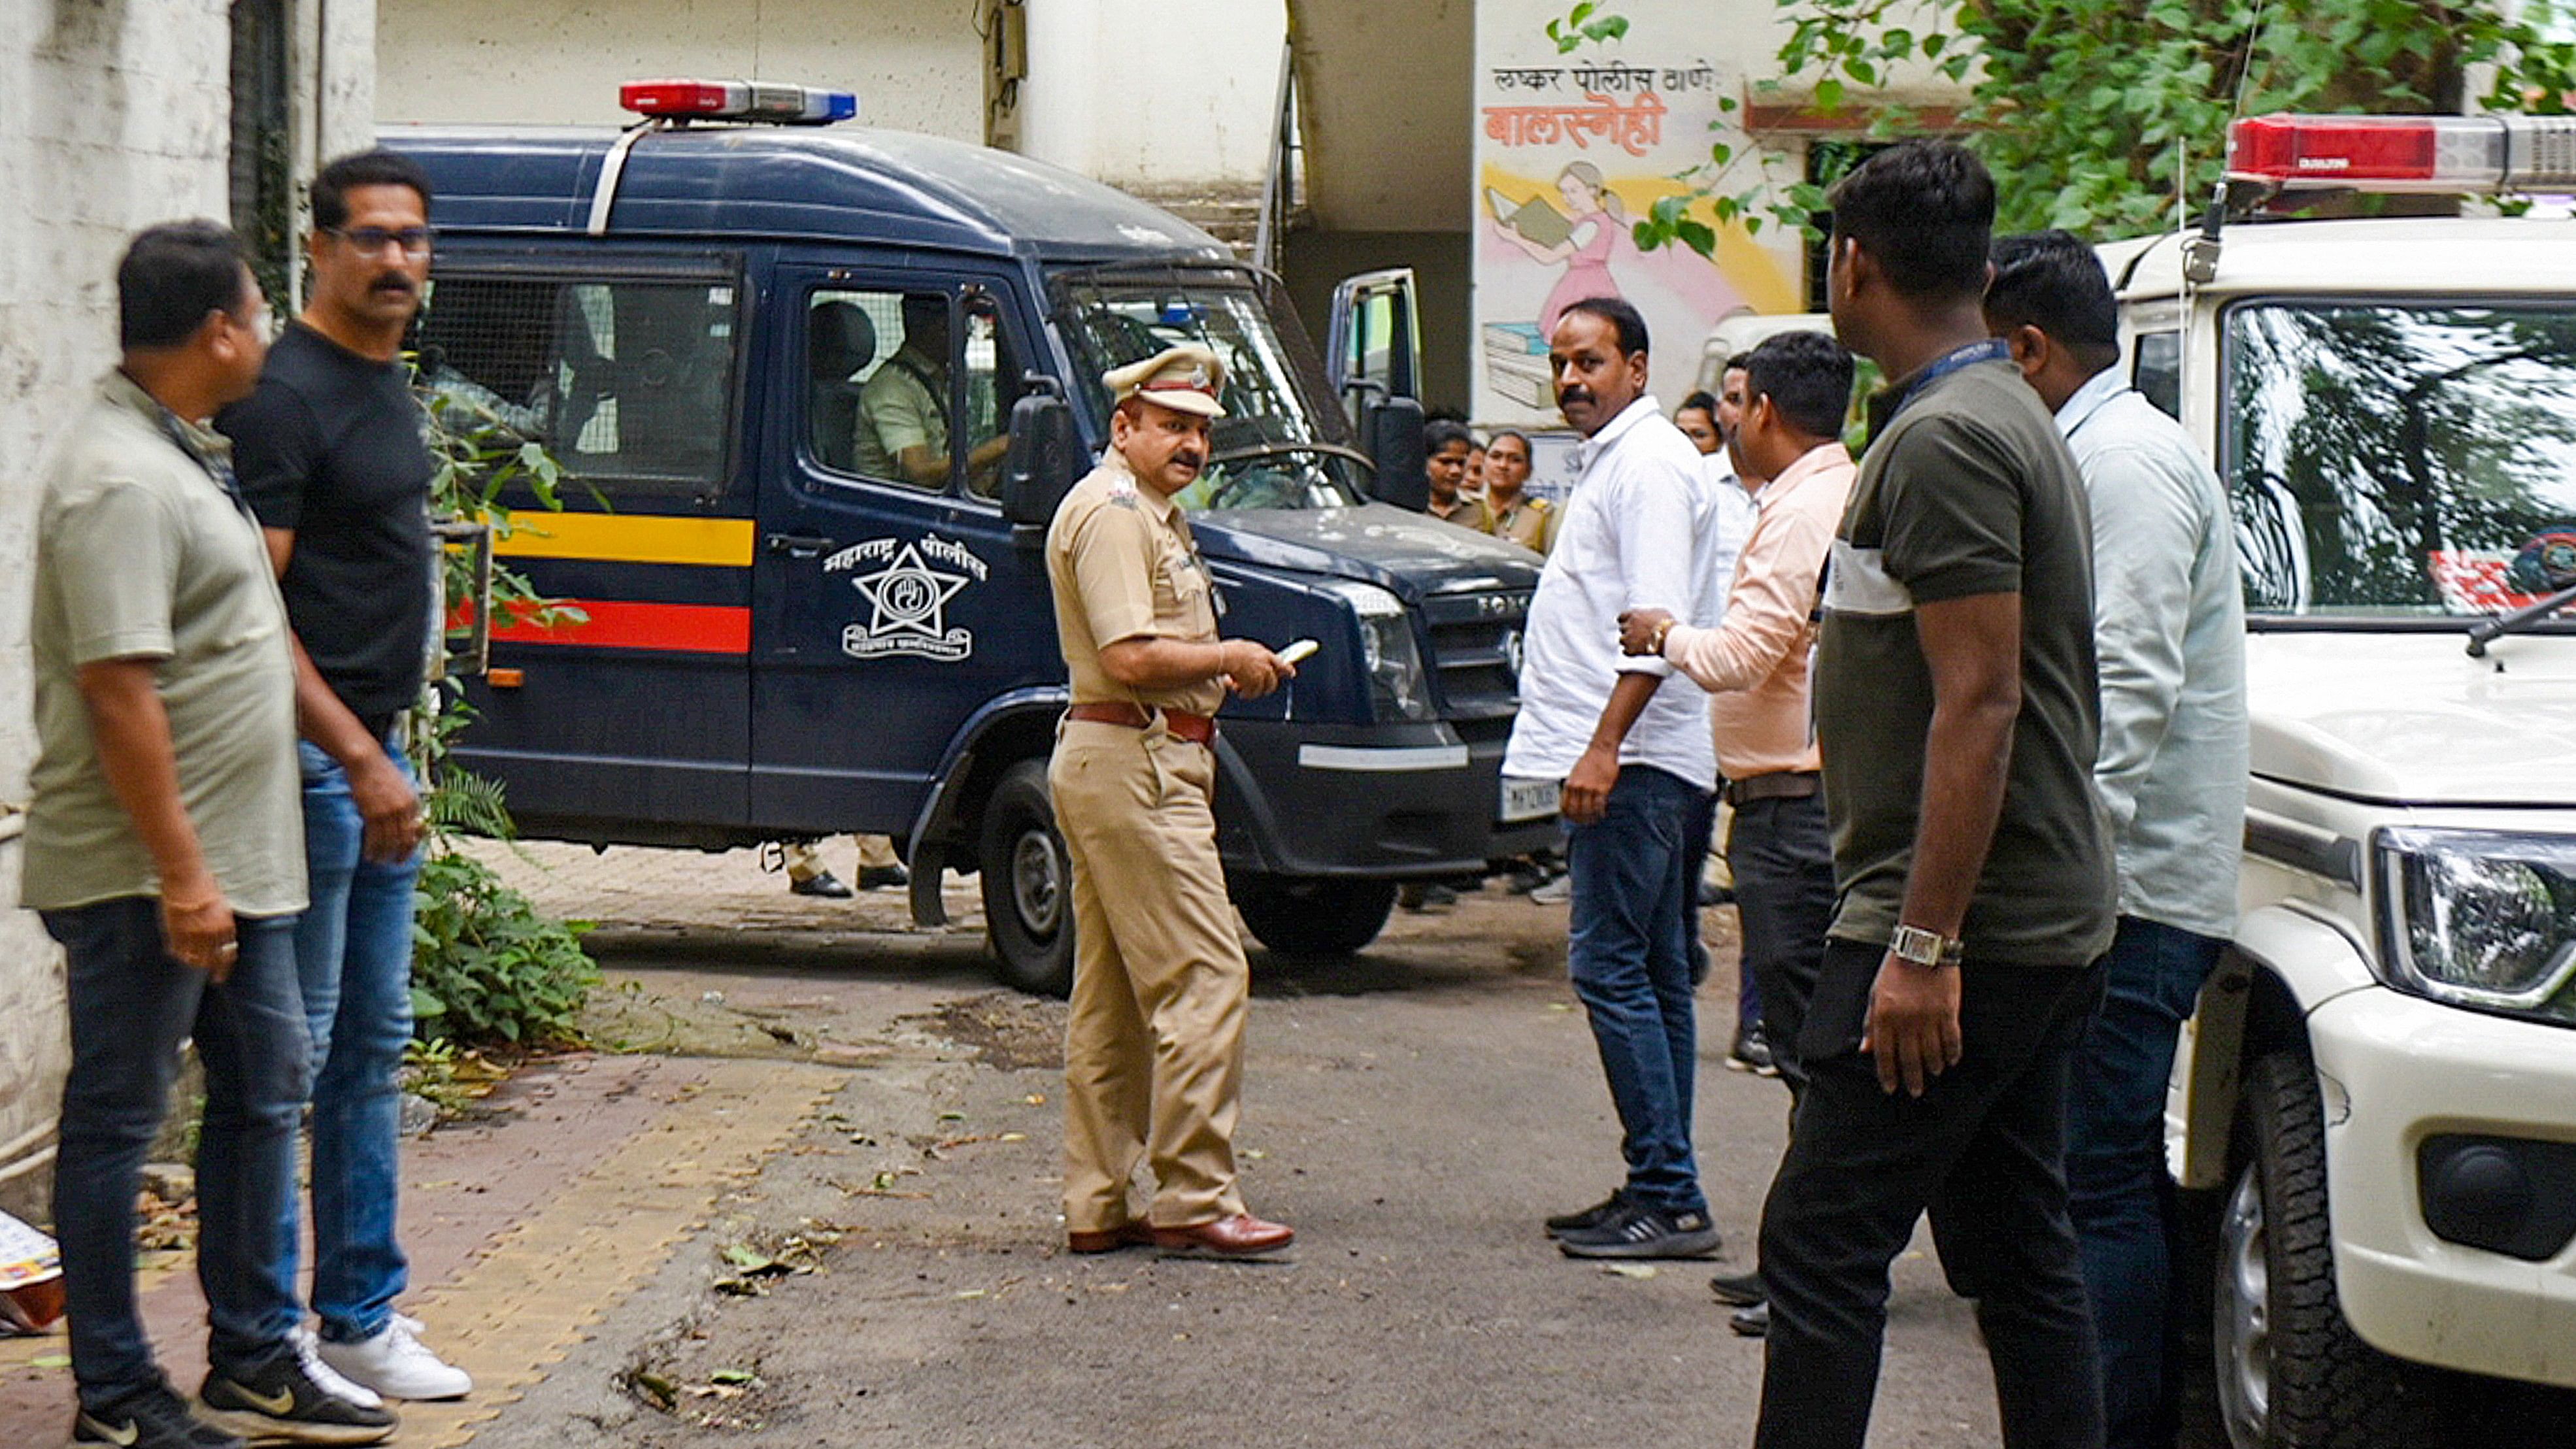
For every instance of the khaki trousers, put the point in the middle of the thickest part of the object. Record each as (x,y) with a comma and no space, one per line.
(1153,1057)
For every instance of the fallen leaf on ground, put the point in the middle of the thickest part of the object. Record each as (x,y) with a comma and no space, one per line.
(51,1361)
(1630,1270)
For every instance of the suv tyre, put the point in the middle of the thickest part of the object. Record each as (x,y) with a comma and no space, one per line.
(1312,918)
(2292,1374)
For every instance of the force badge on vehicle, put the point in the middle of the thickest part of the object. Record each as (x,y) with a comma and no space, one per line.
(908,597)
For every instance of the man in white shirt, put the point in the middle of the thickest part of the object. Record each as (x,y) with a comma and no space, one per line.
(2169,629)
(1635,760)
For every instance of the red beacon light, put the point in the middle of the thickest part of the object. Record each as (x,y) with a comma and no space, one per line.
(737,100)
(2405,153)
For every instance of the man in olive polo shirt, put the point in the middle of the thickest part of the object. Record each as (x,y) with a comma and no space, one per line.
(1957,709)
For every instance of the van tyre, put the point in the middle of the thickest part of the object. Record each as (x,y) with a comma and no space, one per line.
(1027,883)
(1313,918)
(2292,1374)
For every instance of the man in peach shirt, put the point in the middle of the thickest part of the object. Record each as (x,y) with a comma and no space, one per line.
(1754,663)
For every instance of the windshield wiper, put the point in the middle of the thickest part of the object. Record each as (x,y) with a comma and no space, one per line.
(2520,619)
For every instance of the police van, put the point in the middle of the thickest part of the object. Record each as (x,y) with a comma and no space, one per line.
(816,605)
(2378,1096)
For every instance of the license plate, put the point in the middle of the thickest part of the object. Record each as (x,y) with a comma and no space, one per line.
(1529,799)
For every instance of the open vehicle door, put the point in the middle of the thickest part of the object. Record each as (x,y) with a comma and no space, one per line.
(1373,356)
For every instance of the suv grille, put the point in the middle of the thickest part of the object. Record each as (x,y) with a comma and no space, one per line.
(1476,652)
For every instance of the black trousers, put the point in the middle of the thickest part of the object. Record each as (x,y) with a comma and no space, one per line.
(1983,1150)
(1782,853)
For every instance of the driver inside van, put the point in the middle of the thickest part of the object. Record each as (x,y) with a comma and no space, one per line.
(903,406)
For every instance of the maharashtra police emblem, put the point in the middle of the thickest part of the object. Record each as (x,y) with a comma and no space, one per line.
(908,597)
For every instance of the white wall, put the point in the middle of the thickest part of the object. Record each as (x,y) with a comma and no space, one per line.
(112,116)
(916,64)
(1155,95)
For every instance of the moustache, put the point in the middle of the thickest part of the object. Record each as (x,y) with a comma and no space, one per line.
(395,282)
(1574,394)
(1191,461)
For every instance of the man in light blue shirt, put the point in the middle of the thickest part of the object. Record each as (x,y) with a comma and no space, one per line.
(1636,763)
(2169,628)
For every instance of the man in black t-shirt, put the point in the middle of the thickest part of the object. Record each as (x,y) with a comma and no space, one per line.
(1956,711)
(332,460)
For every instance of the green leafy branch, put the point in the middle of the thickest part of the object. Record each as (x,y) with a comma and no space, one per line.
(2112,120)
(1585,24)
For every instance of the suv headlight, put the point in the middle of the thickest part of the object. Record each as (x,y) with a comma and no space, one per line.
(1397,689)
(2480,918)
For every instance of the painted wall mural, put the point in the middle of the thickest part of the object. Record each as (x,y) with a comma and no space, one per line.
(1574,143)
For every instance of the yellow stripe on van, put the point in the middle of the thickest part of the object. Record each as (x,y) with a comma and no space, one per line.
(628,538)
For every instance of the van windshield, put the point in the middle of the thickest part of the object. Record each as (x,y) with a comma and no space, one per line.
(1281,444)
(2401,461)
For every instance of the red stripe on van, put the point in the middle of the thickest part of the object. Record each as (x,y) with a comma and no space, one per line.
(621,624)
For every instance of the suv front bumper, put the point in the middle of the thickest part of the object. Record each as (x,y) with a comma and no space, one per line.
(2399,1071)
(1410,803)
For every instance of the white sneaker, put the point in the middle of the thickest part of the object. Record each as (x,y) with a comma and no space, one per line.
(396,1365)
(326,1378)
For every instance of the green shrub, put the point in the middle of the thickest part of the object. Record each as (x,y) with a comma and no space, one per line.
(486,966)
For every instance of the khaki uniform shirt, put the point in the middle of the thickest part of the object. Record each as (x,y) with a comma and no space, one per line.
(1531,523)
(903,404)
(1468,512)
(1124,566)
(140,554)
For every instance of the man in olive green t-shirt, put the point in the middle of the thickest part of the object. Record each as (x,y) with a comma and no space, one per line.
(1956,712)
(165,851)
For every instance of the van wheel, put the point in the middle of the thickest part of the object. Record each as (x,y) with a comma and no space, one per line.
(1028,884)
(1306,917)
(2291,1372)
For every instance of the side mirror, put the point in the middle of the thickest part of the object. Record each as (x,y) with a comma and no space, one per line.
(1393,430)
(1039,468)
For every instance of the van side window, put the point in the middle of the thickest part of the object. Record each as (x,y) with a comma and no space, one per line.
(628,383)
(878,394)
(2155,370)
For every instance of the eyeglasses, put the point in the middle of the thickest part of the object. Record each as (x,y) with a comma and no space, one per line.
(370,240)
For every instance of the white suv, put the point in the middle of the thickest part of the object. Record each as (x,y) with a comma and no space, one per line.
(2380,1086)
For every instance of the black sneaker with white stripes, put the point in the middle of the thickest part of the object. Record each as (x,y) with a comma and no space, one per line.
(1591,1217)
(1644,1232)
(279,1402)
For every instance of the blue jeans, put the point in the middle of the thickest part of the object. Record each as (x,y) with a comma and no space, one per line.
(2118,1192)
(1629,955)
(353,953)
(131,1007)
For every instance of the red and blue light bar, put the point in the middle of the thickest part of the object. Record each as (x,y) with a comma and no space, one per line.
(679,98)
(2405,153)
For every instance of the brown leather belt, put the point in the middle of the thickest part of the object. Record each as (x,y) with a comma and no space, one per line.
(1198,729)
(1778,785)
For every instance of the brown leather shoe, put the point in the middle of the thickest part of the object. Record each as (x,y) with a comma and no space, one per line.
(1108,1240)
(1240,1236)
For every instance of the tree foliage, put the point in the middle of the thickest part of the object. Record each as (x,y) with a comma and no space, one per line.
(2112,119)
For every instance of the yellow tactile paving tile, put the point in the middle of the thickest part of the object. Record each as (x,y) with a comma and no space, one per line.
(532,1295)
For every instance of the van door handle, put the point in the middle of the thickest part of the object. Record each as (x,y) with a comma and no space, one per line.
(797,545)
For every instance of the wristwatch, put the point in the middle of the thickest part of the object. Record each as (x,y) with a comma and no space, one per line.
(1655,643)
(1924,948)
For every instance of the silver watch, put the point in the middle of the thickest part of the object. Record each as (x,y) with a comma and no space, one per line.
(1922,947)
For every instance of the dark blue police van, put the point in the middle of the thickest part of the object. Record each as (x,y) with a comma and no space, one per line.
(809,613)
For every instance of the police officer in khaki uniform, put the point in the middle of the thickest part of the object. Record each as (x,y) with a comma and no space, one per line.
(1154,1052)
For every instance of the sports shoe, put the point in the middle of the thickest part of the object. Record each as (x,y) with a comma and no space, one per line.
(395,1364)
(1555,893)
(1751,1053)
(277,1402)
(1738,1290)
(1644,1232)
(308,1353)
(153,1418)
(1591,1217)
(1751,1321)
(824,886)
